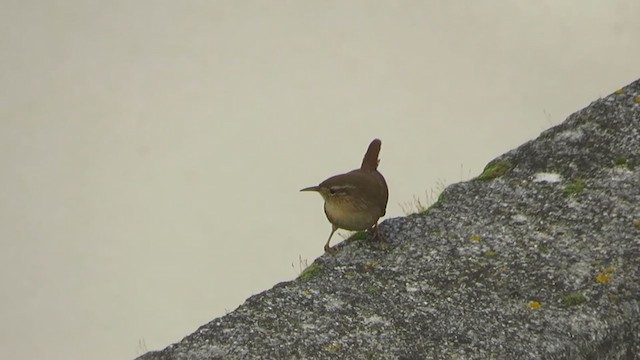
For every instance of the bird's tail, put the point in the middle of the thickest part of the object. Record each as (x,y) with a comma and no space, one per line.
(370,160)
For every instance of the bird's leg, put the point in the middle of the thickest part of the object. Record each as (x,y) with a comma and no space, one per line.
(376,232)
(327,248)
(378,235)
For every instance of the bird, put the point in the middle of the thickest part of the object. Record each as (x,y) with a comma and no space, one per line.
(355,200)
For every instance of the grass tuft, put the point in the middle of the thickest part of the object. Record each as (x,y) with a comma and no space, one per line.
(419,206)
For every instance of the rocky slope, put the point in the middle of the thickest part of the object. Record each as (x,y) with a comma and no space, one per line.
(537,258)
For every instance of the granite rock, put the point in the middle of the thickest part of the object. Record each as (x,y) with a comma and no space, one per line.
(536,258)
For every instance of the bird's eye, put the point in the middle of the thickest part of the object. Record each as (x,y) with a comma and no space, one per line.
(332,191)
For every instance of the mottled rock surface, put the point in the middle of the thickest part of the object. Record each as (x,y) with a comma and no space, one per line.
(537,258)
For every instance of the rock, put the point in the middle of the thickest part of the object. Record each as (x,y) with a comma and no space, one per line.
(537,258)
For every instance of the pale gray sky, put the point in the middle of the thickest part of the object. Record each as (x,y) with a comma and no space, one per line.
(152,151)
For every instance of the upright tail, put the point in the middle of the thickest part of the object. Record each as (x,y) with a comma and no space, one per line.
(370,160)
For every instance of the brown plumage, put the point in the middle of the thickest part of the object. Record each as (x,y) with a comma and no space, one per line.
(370,160)
(357,199)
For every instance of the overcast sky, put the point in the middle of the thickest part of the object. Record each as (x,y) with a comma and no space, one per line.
(151,152)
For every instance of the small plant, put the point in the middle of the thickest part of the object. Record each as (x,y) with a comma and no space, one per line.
(495,170)
(302,264)
(414,207)
(142,346)
(418,206)
(574,299)
(575,187)
(547,115)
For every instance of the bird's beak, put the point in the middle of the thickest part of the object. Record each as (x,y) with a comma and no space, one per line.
(311,188)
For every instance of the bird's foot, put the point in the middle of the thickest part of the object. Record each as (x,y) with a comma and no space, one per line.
(379,238)
(331,250)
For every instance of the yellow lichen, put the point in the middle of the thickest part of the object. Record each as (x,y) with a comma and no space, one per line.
(534,305)
(619,91)
(475,237)
(370,266)
(332,348)
(605,276)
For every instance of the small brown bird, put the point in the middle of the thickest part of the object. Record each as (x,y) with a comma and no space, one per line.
(357,199)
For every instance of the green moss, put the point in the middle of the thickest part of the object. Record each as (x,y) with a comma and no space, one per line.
(543,248)
(360,235)
(495,170)
(574,299)
(574,187)
(636,224)
(310,272)
(373,290)
(622,161)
